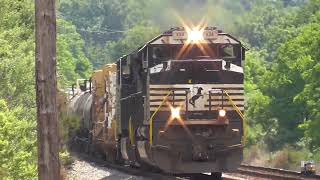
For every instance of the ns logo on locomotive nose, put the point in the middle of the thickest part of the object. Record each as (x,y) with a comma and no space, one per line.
(193,99)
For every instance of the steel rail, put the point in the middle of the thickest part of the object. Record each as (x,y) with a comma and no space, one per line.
(273,173)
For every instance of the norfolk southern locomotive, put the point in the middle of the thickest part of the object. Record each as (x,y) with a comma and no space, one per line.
(175,104)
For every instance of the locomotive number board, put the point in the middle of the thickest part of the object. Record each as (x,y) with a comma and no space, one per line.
(207,34)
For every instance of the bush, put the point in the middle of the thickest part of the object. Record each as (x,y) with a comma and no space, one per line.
(18,147)
(290,158)
(287,158)
(65,158)
(68,124)
(256,155)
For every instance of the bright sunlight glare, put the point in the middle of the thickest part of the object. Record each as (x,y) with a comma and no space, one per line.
(195,35)
(175,113)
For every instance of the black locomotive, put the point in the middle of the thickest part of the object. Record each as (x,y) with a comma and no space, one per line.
(176,104)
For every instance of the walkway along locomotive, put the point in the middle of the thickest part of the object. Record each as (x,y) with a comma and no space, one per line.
(176,103)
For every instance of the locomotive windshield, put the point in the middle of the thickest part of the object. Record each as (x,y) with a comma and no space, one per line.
(162,53)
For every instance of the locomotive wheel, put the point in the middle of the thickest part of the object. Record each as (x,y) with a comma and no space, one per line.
(144,166)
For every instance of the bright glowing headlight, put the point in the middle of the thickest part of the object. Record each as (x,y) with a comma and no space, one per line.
(195,35)
(175,113)
(222,113)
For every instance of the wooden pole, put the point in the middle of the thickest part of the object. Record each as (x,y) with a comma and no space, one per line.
(46,90)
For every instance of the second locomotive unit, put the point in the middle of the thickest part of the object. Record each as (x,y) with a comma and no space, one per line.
(176,103)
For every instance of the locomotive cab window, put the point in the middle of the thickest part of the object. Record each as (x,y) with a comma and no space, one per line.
(160,54)
(231,52)
(227,51)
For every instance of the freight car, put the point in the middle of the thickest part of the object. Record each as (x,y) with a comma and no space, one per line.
(176,104)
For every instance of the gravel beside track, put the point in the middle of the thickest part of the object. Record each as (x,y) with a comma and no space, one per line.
(83,169)
(90,168)
(97,169)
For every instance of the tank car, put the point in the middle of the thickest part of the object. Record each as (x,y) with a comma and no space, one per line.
(176,103)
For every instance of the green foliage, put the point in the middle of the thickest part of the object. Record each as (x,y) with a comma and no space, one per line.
(105,25)
(267,25)
(65,158)
(18,159)
(133,39)
(68,126)
(98,22)
(72,62)
(292,84)
(282,95)
(308,67)
(289,158)
(17,145)
(16,53)
(256,102)
(95,19)
(17,95)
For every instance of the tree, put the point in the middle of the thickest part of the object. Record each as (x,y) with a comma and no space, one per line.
(18,158)
(16,53)
(307,66)
(133,39)
(257,115)
(267,25)
(291,84)
(98,22)
(72,61)
(18,144)
(46,90)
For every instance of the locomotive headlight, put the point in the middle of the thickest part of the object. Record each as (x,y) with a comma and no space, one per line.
(195,35)
(222,113)
(175,112)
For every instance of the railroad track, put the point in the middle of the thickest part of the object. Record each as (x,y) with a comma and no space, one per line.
(255,172)
(243,172)
(125,169)
(139,172)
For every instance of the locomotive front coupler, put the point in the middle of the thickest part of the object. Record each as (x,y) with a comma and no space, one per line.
(199,152)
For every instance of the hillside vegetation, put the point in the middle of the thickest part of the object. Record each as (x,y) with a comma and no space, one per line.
(282,67)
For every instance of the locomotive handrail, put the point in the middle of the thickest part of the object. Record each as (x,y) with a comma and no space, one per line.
(151,119)
(235,107)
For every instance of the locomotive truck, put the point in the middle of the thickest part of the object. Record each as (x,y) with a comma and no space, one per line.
(176,104)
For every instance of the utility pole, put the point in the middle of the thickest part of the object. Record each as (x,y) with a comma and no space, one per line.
(46,90)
